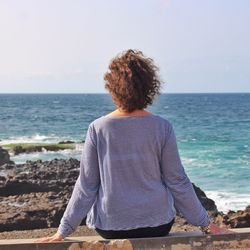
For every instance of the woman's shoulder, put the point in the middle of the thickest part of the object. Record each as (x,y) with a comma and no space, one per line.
(107,120)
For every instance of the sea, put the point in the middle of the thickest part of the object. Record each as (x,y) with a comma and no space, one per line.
(212,130)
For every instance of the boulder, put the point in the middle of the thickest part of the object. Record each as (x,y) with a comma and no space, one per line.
(4,157)
(38,176)
(19,149)
(232,219)
(66,142)
(207,203)
(35,194)
(31,211)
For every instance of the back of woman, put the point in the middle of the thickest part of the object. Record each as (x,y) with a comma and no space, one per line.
(129,150)
(131,176)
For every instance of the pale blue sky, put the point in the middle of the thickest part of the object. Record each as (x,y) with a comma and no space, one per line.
(59,46)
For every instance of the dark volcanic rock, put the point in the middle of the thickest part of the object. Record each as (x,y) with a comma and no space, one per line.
(205,201)
(232,219)
(4,157)
(66,142)
(35,194)
(38,176)
(30,211)
(36,148)
(18,150)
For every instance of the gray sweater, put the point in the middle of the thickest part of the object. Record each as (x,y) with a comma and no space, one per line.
(131,176)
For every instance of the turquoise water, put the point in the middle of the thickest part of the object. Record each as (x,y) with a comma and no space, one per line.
(213,133)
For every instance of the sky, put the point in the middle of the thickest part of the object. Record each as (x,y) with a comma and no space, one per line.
(63,46)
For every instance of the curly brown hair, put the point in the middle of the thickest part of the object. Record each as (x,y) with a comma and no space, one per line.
(132,80)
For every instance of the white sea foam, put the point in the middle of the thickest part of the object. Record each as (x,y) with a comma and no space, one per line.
(36,138)
(79,146)
(226,201)
(187,161)
(47,155)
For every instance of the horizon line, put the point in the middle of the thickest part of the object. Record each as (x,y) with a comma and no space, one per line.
(93,93)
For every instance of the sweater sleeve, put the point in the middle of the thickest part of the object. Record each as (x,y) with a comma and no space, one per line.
(177,181)
(85,190)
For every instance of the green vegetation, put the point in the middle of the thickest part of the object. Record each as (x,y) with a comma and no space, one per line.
(18,148)
(33,145)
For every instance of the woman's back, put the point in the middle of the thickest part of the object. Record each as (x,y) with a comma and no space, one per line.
(129,152)
(131,176)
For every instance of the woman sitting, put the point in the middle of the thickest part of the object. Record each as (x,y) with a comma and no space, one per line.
(131,176)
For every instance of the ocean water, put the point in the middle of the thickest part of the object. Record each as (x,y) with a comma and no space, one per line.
(213,133)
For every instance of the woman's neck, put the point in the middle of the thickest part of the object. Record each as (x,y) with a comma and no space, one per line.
(137,112)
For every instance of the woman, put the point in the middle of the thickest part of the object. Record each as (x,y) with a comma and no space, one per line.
(131,176)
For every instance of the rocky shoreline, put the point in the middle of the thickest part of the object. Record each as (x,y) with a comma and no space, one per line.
(34,195)
(27,148)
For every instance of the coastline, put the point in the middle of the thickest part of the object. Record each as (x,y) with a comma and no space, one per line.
(27,148)
(32,202)
(34,195)
(214,153)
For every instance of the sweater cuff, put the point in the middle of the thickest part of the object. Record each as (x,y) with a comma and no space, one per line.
(206,221)
(65,229)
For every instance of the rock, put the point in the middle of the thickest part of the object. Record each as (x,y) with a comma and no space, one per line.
(38,176)
(207,203)
(35,194)
(232,219)
(29,212)
(30,148)
(4,156)
(66,142)
(7,166)
(17,150)
(32,211)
